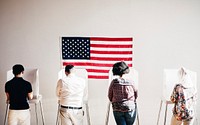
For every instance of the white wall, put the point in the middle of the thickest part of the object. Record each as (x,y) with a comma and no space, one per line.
(166,36)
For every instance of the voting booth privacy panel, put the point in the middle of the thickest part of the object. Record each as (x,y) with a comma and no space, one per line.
(171,77)
(31,75)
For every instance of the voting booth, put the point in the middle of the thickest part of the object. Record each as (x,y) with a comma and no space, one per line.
(170,79)
(31,75)
(132,75)
(82,73)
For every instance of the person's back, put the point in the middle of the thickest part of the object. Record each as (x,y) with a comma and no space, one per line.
(18,91)
(70,92)
(183,97)
(122,94)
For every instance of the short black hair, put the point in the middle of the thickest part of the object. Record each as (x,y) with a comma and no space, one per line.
(68,68)
(17,69)
(120,68)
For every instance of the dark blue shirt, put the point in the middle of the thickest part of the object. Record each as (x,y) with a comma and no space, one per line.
(18,90)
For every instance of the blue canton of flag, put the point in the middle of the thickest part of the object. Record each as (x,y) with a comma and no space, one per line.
(75,48)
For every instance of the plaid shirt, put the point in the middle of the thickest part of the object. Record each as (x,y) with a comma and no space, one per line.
(122,93)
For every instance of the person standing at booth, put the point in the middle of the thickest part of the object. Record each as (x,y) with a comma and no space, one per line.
(184,98)
(122,94)
(70,93)
(17,92)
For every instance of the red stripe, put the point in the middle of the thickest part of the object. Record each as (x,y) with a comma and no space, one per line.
(90,64)
(110,59)
(97,77)
(110,52)
(110,46)
(98,70)
(87,64)
(110,39)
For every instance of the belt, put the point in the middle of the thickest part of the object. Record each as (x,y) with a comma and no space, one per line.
(69,107)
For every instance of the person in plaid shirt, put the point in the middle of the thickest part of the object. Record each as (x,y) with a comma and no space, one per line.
(123,94)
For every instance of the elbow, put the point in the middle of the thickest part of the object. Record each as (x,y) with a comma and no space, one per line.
(30,95)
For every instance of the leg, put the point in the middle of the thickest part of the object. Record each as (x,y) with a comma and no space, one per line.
(78,116)
(119,118)
(189,122)
(175,122)
(65,117)
(12,117)
(130,117)
(24,117)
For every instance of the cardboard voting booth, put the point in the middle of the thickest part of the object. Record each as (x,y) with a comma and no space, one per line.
(82,73)
(132,75)
(170,79)
(31,75)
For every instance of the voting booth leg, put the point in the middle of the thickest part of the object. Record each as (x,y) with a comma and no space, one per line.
(36,115)
(41,111)
(88,115)
(165,114)
(137,114)
(36,102)
(166,109)
(107,114)
(159,112)
(58,113)
(5,119)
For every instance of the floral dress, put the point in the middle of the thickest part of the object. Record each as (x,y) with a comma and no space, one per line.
(183,108)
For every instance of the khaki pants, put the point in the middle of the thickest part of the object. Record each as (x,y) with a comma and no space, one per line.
(19,117)
(176,122)
(71,116)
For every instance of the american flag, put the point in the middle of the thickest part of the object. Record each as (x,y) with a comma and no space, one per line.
(96,54)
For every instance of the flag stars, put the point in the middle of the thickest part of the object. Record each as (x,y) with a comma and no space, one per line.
(75,48)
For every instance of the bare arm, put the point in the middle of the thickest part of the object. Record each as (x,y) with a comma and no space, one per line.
(58,87)
(30,95)
(7,97)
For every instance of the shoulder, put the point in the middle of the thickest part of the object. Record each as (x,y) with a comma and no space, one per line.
(9,82)
(27,82)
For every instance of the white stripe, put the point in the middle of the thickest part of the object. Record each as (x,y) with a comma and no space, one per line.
(94,61)
(111,49)
(112,55)
(112,43)
(98,74)
(94,67)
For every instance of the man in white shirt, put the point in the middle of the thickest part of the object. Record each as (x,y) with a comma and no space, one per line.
(70,91)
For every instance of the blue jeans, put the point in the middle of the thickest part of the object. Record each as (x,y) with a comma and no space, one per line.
(125,118)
